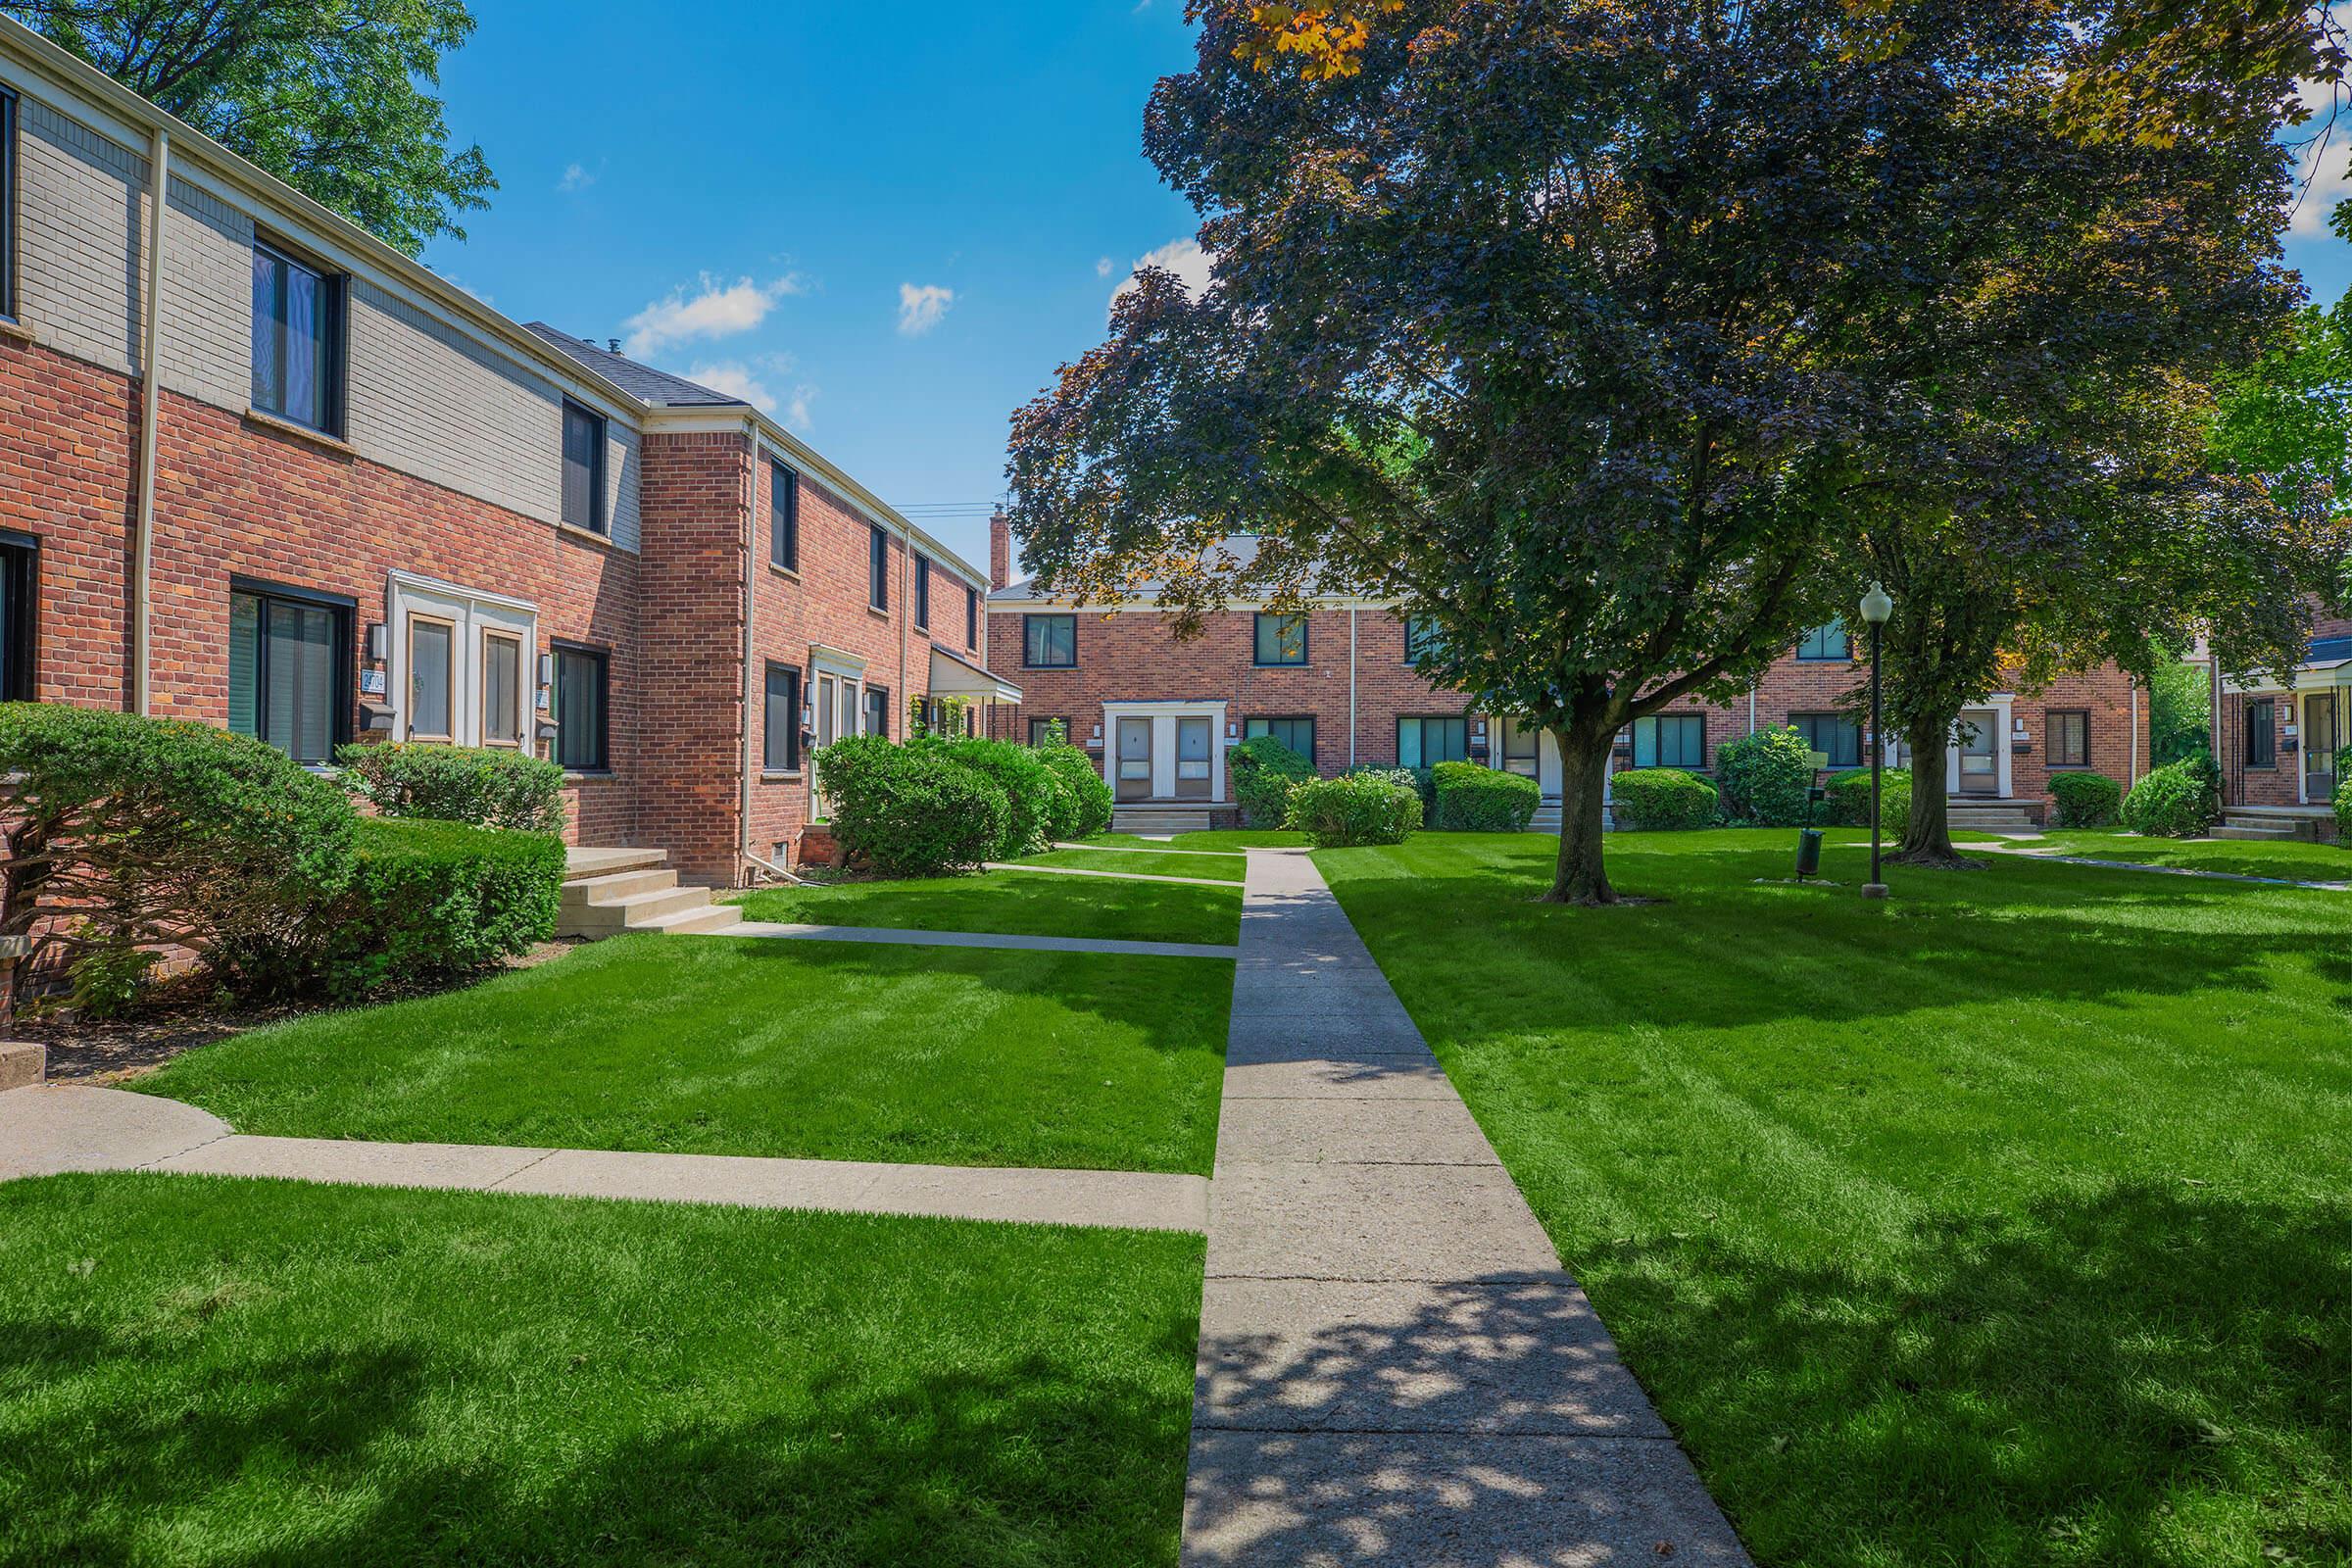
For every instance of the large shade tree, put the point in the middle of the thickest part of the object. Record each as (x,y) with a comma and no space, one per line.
(1595,332)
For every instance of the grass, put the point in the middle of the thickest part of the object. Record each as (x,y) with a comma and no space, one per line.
(1213,841)
(744,1046)
(1131,862)
(2003,1223)
(210,1372)
(2295,861)
(1016,903)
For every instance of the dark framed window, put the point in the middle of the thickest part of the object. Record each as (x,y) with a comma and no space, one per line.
(780,725)
(290,668)
(923,591)
(1297,731)
(1048,732)
(877,568)
(2069,737)
(1671,740)
(1427,742)
(7,204)
(1049,642)
(878,711)
(582,708)
(1826,645)
(1280,640)
(1420,637)
(783,516)
(583,468)
(2262,733)
(1833,735)
(971,617)
(20,592)
(297,340)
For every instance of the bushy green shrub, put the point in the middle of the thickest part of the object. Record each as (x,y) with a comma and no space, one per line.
(1661,798)
(909,811)
(1767,778)
(1035,796)
(2343,797)
(484,786)
(1423,781)
(1263,770)
(1474,799)
(1352,809)
(125,834)
(428,900)
(2086,800)
(1090,801)
(1850,798)
(2176,800)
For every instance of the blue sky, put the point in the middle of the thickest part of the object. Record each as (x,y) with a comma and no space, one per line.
(889,234)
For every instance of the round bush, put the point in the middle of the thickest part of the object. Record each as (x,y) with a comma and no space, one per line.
(431,899)
(1090,797)
(1472,798)
(1643,798)
(1035,797)
(1767,778)
(2176,802)
(2086,800)
(1352,809)
(485,786)
(1850,797)
(1262,771)
(908,811)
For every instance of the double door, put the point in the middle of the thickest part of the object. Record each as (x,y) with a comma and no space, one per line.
(461,665)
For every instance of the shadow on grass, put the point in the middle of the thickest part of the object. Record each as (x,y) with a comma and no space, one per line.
(1014,903)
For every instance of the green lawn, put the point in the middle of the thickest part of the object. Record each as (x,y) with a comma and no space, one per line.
(1014,903)
(2296,861)
(1146,863)
(744,1045)
(199,1372)
(2007,1222)
(1216,841)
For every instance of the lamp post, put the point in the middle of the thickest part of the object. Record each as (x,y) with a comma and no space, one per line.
(1877,607)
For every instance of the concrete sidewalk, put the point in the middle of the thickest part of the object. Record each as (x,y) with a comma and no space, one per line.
(2022,853)
(1393,1369)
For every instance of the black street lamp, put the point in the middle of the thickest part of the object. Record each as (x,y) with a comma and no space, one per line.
(1877,607)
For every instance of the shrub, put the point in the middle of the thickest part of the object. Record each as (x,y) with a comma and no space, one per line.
(1354,808)
(1661,798)
(908,811)
(1089,796)
(1767,778)
(2086,800)
(1035,797)
(427,900)
(1262,771)
(484,786)
(1850,798)
(2343,797)
(2176,800)
(1423,781)
(1472,798)
(127,833)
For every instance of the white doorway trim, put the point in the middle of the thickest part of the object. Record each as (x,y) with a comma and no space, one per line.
(1163,716)
(473,615)
(2001,706)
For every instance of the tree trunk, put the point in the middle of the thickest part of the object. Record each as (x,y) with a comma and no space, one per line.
(1580,877)
(1928,834)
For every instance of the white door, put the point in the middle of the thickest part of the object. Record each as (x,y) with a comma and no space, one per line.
(460,666)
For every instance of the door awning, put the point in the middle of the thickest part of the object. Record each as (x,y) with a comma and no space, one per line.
(954,676)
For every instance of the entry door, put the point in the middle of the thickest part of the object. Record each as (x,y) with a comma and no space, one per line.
(1191,759)
(2323,737)
(1980,760)
(1135,759)
(461,670)
(828,688)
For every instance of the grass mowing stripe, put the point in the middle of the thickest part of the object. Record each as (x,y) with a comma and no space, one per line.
(1013,904)
(1131,862)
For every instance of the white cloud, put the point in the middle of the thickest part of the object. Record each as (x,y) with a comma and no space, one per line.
(737,380)
(922,306)
(1102,264)
(1183,257)
(579,176)
(796,412)
(719,310)
(2323,162)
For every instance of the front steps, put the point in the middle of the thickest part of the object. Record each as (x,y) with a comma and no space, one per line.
(1171,816)
(607,891)
(2275,824)
(1993,816)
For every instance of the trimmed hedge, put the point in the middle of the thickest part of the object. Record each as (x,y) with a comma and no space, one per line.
(1034,798)
(427,900)
(1263,770)
(484,786)
(2086,800)
(1473,798)
(1643,798)
(2343,797)
(1090,801)
(1767,778)
(910,810)
(2176,802)
(1353,809)
(1850,798)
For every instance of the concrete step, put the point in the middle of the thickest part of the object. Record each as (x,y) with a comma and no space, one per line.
(637,911)
(614,886)
(583,861)
(2258,835)
(710,917)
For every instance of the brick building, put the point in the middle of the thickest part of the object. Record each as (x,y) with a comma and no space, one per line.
(377,509)
(2278,743)
(1338,685)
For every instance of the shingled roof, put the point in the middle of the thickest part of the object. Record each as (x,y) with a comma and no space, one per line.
(642,381)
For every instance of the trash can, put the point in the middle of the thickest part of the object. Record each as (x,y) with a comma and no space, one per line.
(1808,853)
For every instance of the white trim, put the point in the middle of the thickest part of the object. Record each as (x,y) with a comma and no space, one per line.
(837,660)
(1163,716)
(470,615)
(2002,705)
(458,590)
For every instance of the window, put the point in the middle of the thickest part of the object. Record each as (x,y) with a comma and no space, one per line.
(502,689)
(20,575)
(877,566)
(1048,732)
(2069,737)
(581,709)
(583,468)
(1427,742)
(2262,733)
(8,205)
(1049,642)
(1833,735)
(1826,645)
(783,517)
(923,591)
(971,617)
(1675,740)
(781,747)
(1420,637)
(1297,733)
(432,677)
(297,340)
(878,711)
(290,671)
(1281,639)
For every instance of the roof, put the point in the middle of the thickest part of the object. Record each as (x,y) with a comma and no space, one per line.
(1243,547)
(659,388)
(2328,648)
(953,675)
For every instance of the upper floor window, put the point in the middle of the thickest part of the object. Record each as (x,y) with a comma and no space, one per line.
(20,571)
(2262,733)
(783,517)
(1671,740)
(1281,640)
(878,568)
(1049,642)
(1420,637)
(290,671)
(1833,735)
(7,204)
(297,341)
(2069,737)
(923,591)
(583,468)
(971,616)
(1826,645)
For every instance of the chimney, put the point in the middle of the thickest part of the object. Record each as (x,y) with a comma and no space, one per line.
(999,549)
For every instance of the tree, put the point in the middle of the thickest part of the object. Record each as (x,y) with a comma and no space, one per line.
(332,96)
(1592,331)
